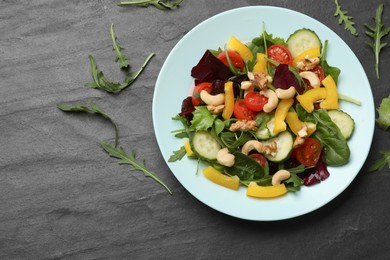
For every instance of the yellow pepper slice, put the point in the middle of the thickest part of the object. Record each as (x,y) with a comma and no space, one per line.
(308,98)
(261,63)
(257,191)
(281,113)
(187,147)
(243,50)
(296,125)
(231,182)
(229,100)
(312,53)
(332,97)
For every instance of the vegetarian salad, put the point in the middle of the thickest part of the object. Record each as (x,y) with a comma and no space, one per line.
(265,114)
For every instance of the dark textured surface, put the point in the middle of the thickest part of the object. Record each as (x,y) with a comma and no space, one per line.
(62,197)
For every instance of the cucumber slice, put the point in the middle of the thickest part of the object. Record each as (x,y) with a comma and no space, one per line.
(344,122)
(205,145)
(284,145)
(302,40)
(266,129)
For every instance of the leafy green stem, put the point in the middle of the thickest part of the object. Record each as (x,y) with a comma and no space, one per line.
(344,18)
(129,159)
(123,60)
(93,108)
(162,5)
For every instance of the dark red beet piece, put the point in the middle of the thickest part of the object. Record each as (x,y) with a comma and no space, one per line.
(318,173)
(284,79)
(210,68)
(187,108)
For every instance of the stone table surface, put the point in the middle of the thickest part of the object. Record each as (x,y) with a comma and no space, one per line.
(63,197)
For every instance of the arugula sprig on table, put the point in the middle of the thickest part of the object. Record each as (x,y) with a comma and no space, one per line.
(92,108)
(377,33)
(129,159)
(101,82)
(162,5)
(345,18)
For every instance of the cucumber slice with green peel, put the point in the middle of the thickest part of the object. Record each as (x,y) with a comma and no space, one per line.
(301,40)
(205,145)
(344,122)
(266,129)
(284,145)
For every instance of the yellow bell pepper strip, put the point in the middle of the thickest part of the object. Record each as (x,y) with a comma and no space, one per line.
(257,191)
(296,125)
(229,100)
(308,98)
(231,182)
(281,113)
(243,50)
(261,63)
(312,53)
(332,98)
(187,147)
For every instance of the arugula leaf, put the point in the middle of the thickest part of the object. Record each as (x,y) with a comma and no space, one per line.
(203,119)
(346,19)
(381,163)
(101,82)
(93,108)
(377,34)
(177,155)
(119,153)
(245,167)
(162,5)
(383,119)
(293,183)
(329,70)
(123,59)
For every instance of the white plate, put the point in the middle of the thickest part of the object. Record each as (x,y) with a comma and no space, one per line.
(173,85)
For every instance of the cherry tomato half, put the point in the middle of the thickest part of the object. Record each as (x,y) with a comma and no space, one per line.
(255,101)
(319,71)
(259,158)
(280,53)
(196,93)
(240,111)
(235,58)
(308,153)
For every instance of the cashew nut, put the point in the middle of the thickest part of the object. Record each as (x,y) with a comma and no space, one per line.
(225,158)
(272,100)
(259,147)
(280,176)
(214,100)
(245,85)
(285,93)
(311,77)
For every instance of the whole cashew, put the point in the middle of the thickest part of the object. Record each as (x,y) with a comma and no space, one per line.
(280,176)
(214,100)
(311,77)
(225,158)
(253,145)
(285,93)
(272,100)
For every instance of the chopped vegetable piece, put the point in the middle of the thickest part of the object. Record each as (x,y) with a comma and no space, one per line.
(187,147)
(210,68)
(309,97)
(281,113)
(311,53)
(231,182)
(261,63)
(257,191)
(229,101)
(297,125)
(332,100)
(236,45)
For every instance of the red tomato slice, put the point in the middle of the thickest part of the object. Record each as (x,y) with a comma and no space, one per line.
(241,112)
(259,158)
(255,101)
(196,93)
(235,58)
(319,71)
(280,53)
(308,153)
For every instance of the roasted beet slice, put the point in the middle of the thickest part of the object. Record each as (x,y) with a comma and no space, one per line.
(284,79)
(210,68)
(187,108)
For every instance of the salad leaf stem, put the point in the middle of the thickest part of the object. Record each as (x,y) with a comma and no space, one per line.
(377,33)
(123,59)
(346,19)
(93,108)
(349,99)
(129,159)
(162,5)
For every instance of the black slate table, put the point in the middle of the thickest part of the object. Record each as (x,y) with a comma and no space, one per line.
(62,197)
